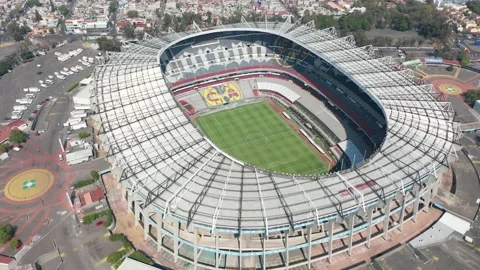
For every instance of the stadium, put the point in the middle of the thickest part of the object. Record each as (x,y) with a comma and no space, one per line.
(268,145)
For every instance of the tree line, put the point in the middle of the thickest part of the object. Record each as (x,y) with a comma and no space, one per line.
(412,16)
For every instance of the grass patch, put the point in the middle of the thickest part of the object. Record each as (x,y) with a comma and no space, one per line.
(83,135)
(89,219)
(117,264)
(71,87)
(141,257)
(83,183)
(116,256)
(127,245)
(258,136)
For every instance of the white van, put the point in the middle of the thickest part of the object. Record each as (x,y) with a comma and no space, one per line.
(20,108)
(33,89)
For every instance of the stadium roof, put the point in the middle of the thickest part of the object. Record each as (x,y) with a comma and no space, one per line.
(168,163)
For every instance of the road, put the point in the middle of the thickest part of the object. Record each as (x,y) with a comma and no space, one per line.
(70,245)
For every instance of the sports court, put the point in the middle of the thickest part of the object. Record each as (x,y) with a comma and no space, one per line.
(257,135)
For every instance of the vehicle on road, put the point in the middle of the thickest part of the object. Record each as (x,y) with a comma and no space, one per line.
(40,81)
(60,157)
(16,148)
(100,223)
(79,67)
(19,246)
(50,76)
(30,96)
(61,77)
(58,53)
(38,65)
(49,81)
(43,85)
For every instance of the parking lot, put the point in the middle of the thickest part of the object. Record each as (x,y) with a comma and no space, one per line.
(29,74)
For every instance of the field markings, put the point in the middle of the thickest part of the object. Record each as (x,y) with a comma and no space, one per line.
(227,134)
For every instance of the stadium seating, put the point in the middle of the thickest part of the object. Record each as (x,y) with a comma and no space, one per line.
(195,99)
(280,89)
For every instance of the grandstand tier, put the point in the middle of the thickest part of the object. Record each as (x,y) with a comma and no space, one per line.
(202,207)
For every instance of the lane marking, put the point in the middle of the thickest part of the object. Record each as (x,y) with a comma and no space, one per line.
(457,72)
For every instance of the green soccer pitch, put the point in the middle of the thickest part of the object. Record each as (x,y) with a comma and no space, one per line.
(257,135)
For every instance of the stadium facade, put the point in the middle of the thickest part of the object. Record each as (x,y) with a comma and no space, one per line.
(207,210)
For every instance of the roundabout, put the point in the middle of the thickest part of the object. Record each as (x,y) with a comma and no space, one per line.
(29,185)
(450,89)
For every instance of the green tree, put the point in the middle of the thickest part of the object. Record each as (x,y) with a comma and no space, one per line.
(63,10)
(6,233)
(17,136)
(471,96)
(209,17)
(34,3)
(16,31)
(474,6)
(401,23)
(113,7)
(38,17)
(464,59)
(132,14)
(140,35)
(128,31)
(167,21)
(360,38)
(95,175)
(52,6)
(106,44)
(4,148)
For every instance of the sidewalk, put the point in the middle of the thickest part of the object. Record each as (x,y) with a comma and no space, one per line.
(125,222)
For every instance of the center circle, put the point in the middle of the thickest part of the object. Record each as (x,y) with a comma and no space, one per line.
(450,89)
(256,140)
(29,185)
